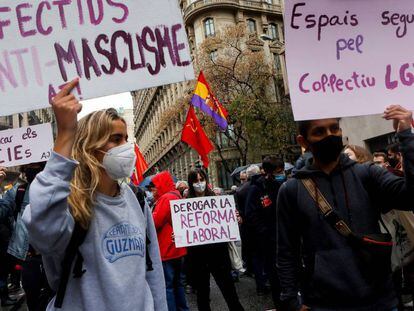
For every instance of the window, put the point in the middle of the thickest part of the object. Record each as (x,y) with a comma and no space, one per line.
(276,59)
(273,32)
(269,1)
(225,180)
(209,27)
(213,55)
(251,25)
(226,140)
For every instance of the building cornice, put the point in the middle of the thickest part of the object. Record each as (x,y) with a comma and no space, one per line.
(202,6)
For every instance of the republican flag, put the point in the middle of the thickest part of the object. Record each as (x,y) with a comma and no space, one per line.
(194,135)
(140,167)
(204,99)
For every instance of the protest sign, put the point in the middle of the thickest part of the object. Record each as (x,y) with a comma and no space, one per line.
(113,46)
(349,58)
(26,145)
(205,220)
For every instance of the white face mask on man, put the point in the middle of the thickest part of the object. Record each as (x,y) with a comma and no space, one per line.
(199,187)
(119,161)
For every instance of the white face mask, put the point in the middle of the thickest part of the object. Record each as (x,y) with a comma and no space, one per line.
(199,187)
(119,161)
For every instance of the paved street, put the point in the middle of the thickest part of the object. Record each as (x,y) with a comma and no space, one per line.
(247,293)
(245,288)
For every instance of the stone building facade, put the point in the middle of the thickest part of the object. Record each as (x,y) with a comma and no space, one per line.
(27,118)
(160,145)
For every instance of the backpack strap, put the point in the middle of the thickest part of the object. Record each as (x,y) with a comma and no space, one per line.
(18,199)
(326,209)
(72,251)
(148,260)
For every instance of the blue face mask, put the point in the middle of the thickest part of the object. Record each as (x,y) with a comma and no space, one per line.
(280,178)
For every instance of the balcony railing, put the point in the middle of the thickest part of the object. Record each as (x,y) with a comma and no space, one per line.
(257,5)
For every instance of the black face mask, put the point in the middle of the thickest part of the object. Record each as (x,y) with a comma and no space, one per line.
(31,173)
(328,149)
(393,162)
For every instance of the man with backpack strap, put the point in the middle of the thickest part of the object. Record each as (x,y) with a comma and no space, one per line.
(328,221)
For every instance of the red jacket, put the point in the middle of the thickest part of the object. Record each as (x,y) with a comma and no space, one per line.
(166,192)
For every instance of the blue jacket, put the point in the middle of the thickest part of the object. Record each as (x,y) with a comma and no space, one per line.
(333,276)
(19,242)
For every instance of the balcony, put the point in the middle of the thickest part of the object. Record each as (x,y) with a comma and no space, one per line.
(203,5)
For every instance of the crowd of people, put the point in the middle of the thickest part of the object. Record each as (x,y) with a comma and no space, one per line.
(336,234)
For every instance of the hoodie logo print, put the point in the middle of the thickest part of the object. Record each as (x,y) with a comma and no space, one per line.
(123,240)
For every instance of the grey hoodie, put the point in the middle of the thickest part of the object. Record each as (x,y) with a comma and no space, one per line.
(113,250)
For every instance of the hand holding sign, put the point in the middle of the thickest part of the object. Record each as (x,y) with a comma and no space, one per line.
(402,117)
(66,108)
(204,220)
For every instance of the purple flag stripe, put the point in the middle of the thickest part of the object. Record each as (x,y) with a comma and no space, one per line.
(198,102)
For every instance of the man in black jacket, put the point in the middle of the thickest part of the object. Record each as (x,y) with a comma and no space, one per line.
(335,276)
(260,215)
(241,200)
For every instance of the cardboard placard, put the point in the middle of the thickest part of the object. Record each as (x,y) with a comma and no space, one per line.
(26,145)
(204,220)
(114,46)
(349,58)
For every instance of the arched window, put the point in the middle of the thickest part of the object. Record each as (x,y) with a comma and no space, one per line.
(251,25)
(274,32)
(209,30)
(213,55)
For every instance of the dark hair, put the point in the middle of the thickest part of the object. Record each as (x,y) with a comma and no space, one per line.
(41,166)
(271,163)
(394,148)
(304,126)
(192,178)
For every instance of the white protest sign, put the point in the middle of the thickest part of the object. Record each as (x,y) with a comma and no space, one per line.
(205,220)
(112,45)
(349,58)
(26,145)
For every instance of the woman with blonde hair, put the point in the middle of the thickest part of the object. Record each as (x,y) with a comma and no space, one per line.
(83,220)
(358,154)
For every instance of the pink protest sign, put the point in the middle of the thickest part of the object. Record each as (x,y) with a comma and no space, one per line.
(26,145)
(349,58)
(112,45)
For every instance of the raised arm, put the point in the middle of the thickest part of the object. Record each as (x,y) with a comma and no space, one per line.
(48,218)
(393,192)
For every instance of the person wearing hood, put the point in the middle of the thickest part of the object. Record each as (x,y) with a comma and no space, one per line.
(260,215)
(79,207)
(328,223)
(172,257)
(246,237)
